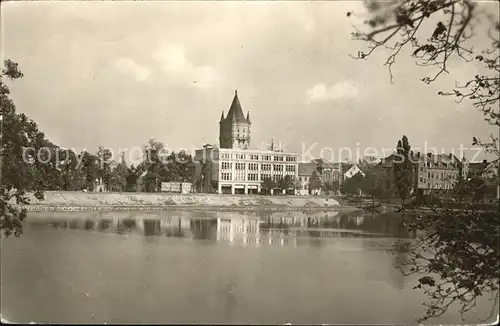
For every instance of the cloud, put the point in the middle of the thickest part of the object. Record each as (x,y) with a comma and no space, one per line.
(173,60)
(129,66)
(321,93)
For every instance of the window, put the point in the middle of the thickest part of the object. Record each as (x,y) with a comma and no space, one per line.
(290,168)
(253,166)
(226,176)
(254,157)
(428,174)
(240,166)
(291,158)
(253,177)
(267,157)
(227,166)
(266,167)
(278,167)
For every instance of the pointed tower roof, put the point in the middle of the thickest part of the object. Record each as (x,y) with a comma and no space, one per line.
(222,116)
(248,117)
(235,111)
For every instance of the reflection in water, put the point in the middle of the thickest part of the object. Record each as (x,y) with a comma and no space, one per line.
(152,227)
(205,229)
(235,228)
(252,274)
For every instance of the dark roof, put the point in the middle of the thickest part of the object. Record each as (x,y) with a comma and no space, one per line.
(235,112)
(307,169)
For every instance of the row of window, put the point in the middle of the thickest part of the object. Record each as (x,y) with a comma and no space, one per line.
(439,186)
(255,167)
(253,177)
(437,175)
(227,176)
(442,164)
(256,157)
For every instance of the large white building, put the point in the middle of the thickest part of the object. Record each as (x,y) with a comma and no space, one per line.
(233,167)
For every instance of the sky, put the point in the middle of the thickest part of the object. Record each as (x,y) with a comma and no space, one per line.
(116,74)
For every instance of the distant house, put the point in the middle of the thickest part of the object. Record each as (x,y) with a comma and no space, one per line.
(353,170)
(438,173)
(487,171)
(304,176)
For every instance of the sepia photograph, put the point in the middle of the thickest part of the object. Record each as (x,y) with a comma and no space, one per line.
(250,162)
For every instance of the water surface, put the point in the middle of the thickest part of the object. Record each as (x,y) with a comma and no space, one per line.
(182,267)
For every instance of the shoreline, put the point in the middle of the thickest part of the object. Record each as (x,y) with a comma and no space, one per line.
(68,201)
(114,208)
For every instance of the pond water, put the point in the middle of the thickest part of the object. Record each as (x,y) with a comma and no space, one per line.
(211,267)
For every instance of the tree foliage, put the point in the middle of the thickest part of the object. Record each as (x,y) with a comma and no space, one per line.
(353,186)
(267,184)
(18,173)
(404,170)
(455,252)
(314,181)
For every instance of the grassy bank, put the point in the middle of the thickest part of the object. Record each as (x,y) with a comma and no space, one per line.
(82,201)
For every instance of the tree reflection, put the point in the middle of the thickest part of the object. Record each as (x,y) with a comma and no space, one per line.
(89,224)
(205,229)
(152,227)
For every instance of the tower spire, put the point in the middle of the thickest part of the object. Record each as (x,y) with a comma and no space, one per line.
(222,116)
(248,117)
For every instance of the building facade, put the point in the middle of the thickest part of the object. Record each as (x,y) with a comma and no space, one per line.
(438,172)
(330,175)
(234,168)
(233,171)
(304,176)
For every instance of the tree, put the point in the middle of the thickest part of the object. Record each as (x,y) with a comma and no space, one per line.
(89,169)
(353,186)
(286,183)
(471,190)
(267,184)
(456,252)
(314,181)
(373,183)
(133,174)
(21,170)
(332,186)
(104,162)
(404,170)
(119,174)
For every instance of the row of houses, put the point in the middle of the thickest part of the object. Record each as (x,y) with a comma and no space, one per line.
(437,175)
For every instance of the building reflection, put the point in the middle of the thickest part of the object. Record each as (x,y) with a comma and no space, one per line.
(283,229)
(237,230)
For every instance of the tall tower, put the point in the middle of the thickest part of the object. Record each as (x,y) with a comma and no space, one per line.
(234,129)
